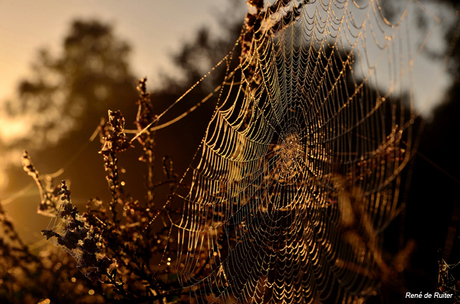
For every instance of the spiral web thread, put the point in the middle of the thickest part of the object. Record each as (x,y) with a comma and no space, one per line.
(299,171)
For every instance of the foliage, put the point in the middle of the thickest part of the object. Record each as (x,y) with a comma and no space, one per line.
(28,278)
(61,103)
(115,243)
(90,75)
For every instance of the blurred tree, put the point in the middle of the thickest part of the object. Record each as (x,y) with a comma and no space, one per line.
(433,206)
(197,56)
(90,76)
(62,103)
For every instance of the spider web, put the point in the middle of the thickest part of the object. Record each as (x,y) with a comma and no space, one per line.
(299,171)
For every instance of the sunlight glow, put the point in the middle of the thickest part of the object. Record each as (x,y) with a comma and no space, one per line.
(13,128)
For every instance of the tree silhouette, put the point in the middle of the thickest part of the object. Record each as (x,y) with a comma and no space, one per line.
(433,204)
(67,96)
(91,75)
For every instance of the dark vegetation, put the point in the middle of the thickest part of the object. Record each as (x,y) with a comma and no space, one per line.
(118,259)
(93,76)
(433,202)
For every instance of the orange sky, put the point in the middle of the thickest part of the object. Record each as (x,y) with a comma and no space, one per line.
(153,27)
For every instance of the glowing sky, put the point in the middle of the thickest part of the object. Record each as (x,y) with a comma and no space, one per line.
(154,28)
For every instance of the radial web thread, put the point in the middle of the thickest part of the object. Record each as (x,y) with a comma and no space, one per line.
(299,171)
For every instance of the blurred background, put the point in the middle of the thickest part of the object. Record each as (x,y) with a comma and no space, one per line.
(64,64)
